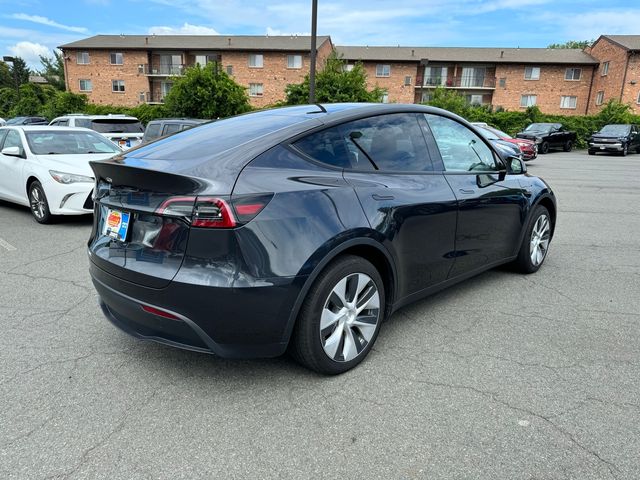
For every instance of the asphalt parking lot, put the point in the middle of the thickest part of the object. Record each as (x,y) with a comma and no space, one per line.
(502,377)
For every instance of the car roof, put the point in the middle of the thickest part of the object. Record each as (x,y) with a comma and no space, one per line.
(97,117)
(46,128)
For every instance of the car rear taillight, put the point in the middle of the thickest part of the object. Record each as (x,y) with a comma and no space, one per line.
(215,212)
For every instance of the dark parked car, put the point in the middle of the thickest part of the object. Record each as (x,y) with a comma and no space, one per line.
(548,136)
(304,227)
(27,121)
(505,149)
(620,139)
(168,126)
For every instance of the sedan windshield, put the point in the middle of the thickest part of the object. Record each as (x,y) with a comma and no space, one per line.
(58,142)
(539,127)
(16,121)
(615,130)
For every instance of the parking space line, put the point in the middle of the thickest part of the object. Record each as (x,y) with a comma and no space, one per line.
(6,245)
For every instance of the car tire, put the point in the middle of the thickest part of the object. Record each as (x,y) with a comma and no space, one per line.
(330,335)
(591,152)
(535,243)
(625,150)
(544,148)
(568,146)
(38,203)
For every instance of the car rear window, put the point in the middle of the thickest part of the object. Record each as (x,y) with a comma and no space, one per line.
(117,126)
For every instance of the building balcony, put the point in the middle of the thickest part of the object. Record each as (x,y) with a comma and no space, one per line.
(463,82)
(152,98)
(162,70)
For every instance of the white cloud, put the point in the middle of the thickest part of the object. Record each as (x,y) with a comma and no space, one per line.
(30,52)
(47,21)
(186,29)
(274,32)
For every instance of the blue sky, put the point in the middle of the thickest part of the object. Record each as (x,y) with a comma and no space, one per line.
(32,27)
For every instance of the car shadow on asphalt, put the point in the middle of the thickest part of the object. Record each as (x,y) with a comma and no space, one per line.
(21,210)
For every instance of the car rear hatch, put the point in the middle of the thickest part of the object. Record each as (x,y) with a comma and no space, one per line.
(141,222)
(126,132)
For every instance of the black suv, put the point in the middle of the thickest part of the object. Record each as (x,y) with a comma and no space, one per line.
(168,126)
(549,135)
(618,138)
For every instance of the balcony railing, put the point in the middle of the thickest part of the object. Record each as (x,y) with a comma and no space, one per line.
(151,98)
(163,70)
(465,81)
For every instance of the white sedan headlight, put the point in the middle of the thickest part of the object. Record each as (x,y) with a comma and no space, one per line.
(67,178)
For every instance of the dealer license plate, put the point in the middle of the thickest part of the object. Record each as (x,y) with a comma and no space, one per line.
(116,224)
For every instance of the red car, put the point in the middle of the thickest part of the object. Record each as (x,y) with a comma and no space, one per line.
(528,147)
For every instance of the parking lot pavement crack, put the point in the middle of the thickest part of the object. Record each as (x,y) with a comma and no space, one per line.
(49,257)
(493,396)
(104,440)
(58,280)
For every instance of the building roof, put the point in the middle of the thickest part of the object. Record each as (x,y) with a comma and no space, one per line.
(468,55)
(196,42)
(630,42)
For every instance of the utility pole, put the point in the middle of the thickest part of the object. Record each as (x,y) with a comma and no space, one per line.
(314,33)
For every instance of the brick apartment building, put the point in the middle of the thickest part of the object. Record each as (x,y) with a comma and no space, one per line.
(129,70)
(618,75)
(134,69)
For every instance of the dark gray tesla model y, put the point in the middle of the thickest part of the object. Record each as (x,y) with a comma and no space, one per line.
(302,228)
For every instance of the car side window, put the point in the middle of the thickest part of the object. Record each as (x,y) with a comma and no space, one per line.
(393,142)
(153,131)
(460,148)
(13,140)
(170,128)
(63,123)
(328,147)
(3,133)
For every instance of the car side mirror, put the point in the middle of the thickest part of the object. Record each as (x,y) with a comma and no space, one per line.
(12,152)
(516,166)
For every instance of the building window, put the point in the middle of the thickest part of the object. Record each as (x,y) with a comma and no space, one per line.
(638,99)
(503,82)
(83,58)
(434,76)
(600,97)
(407,81)
(573,74)
(568,101)
(294,61)
(86,85)
(385,97)
(605,68)
(255,89)
(528,100)
(256,60)
(229,69)
(383,70)
(116,58)
(474,99)
(348,67)
(532,73)
(426,97)
(117,86)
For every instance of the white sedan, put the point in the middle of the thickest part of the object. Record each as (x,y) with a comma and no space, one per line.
(47,168)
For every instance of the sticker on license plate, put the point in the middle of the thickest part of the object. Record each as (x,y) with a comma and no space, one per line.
(116,225)
(125,143)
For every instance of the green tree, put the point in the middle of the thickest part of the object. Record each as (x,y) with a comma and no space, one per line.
(53,70)
(19,71)
(614,112)
(62,103)
(8,98)
(334,83)
(206,92)
(6,78)
(449,100)
(581,44)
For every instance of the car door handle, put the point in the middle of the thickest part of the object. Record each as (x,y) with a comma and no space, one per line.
(376,196)
(467,192)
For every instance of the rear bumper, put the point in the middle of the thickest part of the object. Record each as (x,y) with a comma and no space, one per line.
(228,322)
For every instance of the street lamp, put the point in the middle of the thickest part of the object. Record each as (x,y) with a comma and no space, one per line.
(314,32)
(15,73)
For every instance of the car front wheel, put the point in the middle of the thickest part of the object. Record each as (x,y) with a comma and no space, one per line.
(544,148)
(340,319)
(535,243)
(38,203)
(568,146)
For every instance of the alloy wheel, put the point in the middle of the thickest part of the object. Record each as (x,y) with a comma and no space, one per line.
(540,236)
(37,202)
(350,317)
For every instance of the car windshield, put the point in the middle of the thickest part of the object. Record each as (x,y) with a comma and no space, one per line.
(539,127)
(615,130)
(68,143)
(119,125)
(16,121)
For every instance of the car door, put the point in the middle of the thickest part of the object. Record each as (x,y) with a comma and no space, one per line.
(635,139)
(491,204)
(11,167)
(409,205)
